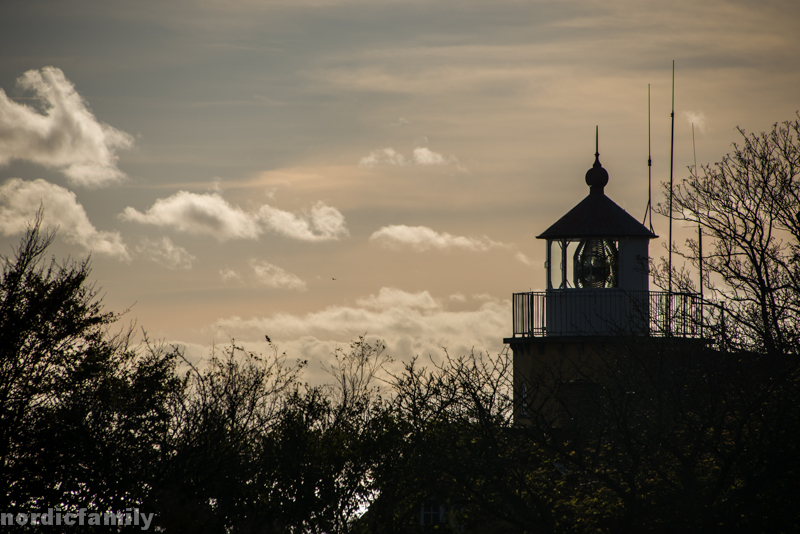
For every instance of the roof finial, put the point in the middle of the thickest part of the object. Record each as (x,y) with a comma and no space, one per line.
(597,176)
(597,142)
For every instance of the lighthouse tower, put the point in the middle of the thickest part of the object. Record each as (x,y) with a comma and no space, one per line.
(597,294)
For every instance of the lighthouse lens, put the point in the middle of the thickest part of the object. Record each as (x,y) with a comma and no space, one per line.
(595,265)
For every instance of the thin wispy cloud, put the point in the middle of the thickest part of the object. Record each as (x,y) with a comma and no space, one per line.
(698,118)
(523,259)
(165,253)
(390,297)
(270,275)
(420,156)
(264,274)
(229,275)
(422,238)
(65,136)
(210,214)
(383,156)
(20,200)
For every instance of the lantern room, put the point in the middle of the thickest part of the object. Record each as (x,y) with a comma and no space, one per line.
(597,266)
(597,276)
(597,244)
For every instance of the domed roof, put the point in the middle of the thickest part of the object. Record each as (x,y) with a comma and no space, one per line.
(597,176)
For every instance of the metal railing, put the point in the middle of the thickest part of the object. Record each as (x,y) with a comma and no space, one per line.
(570,312)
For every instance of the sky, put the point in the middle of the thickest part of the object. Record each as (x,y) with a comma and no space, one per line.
(318,170)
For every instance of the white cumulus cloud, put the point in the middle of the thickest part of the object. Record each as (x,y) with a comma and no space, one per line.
(322,223)
(67,136)
(423,238)
(210,214)
(20,199)
(164,252)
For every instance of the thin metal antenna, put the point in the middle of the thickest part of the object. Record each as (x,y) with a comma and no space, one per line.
(597,141)
(694,151)
(700,253)
(671,161)
(649,209)
(699,240)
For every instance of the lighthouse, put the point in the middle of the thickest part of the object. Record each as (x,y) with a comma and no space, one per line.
(597,295)
(597,267)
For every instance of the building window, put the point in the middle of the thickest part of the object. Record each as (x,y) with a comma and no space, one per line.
(431,513)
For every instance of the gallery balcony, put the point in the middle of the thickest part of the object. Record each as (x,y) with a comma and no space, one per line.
(606,312)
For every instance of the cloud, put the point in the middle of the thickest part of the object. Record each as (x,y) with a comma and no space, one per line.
(425,156)
(411,324)
(698,118)
(210,214)
(400,122)
(523,259)
(423,238)
(323,223)
(19,201)
(389,297)
(420,156)
(269,275)
(165,253)
(67,136)
(263,273)
(383,156)
(229,274)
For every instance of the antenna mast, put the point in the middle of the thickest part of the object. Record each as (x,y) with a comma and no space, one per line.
(649,209)
(671,160)
(699,240)
(694,151)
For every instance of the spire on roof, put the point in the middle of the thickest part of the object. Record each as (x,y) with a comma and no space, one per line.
(597,176)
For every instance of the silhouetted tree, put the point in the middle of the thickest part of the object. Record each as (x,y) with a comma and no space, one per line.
(749,205)
(82,412)
(255,450)
(220,418)
(459,448)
